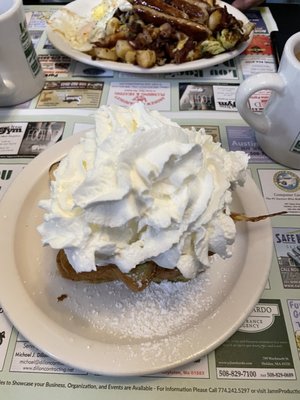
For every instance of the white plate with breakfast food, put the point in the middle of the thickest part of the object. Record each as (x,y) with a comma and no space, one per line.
(150,36)
(108,328)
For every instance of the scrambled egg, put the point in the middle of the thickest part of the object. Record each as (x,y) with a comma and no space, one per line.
(99,11)
(81,30)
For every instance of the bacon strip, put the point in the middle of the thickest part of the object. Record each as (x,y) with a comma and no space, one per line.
(162,6)
(157,18)
(197,11)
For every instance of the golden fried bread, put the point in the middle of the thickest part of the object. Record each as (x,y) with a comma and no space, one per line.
(136,280)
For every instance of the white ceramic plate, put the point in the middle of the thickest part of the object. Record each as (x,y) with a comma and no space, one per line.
(80,7)
(105,328)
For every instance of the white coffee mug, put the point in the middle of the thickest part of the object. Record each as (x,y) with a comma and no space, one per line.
(277,128)
(21,75)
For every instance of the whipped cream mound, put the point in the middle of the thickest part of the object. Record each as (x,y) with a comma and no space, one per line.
(139,187)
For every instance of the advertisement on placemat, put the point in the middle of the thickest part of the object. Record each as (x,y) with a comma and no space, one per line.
(260,349)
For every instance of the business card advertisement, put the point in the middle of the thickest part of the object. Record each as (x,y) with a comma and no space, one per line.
(154,95)
(281,190)
(5,333)
(70,94)
(27,358)
(196,96)
(287,247)
(243,138)
(260,45)
(260,349)
(55,65)
(252,64)
(294,310)
(225,97)
(256,17)
(28,139)
(258,56)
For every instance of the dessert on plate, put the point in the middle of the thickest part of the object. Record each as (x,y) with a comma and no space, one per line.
(141,199)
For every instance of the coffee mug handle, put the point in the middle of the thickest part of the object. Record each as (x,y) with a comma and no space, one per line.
(271,81)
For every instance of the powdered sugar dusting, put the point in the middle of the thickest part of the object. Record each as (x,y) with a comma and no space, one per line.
(157,312)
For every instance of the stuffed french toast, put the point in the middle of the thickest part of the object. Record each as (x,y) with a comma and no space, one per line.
(140,199)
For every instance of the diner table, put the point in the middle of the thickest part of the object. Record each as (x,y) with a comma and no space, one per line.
(262,359)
